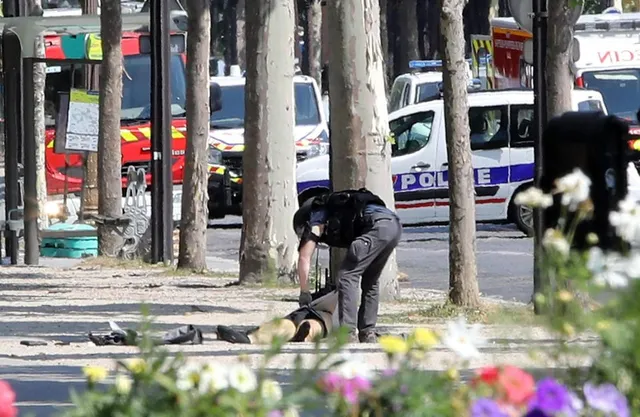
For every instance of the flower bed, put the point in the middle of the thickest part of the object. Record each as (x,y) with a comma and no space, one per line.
(339,384)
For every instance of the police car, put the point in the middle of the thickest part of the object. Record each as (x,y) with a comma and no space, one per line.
(422,84)
(501,132)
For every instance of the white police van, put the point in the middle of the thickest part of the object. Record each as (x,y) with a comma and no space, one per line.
(422,84)
(502,156)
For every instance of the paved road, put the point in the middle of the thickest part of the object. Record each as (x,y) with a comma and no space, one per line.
(505,257)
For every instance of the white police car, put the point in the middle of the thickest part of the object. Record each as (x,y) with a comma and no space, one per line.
(502,149)
(420,85)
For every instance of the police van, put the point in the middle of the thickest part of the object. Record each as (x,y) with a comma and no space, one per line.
(421,84)
(501,133)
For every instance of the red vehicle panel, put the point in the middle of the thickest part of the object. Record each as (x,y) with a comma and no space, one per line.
(135,132)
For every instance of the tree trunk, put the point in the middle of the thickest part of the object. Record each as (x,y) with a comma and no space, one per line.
(361,152)
(241,44)
(230,35)
(559,78)
(39,79)
(90,203)
(422,27)
(194,215)
(109,147)
(269,244)
(314,40)
(214,40)
(463,282)
(476,20)
(408,39)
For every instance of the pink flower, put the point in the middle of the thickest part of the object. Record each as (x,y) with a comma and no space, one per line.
(331,382)
(518,385)
(349,391)
(275,413)
(7,399)
(361,384)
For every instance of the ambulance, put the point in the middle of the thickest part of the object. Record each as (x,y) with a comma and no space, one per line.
(501,133)
(605,57)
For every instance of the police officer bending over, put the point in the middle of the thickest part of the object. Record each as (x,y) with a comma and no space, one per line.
(358,220)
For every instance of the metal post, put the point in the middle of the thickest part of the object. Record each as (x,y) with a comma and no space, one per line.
(12,55)
(161,176)
(540,115)
(31,246)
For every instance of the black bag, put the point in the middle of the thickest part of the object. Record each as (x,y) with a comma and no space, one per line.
(345,220)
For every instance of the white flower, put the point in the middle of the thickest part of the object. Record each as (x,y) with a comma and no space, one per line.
(463,339)
(354,366)
(242,378)
(596,261)
(123,384)
(271,391)
(574,187)
(533,197)
(612,279)
(291,412)
(188,376)
(213,379)
(610,270)
(554,240)
(632,265)
(626,220)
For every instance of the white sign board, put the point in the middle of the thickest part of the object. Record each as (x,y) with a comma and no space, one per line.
(82,123)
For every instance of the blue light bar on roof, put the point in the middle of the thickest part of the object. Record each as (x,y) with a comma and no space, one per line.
(430,63)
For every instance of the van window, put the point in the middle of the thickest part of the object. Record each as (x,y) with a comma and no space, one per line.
(411,133)
(619,88)
(590,105)
(396,95)
(488,127)
(522,126)
(405,95)
(427,91)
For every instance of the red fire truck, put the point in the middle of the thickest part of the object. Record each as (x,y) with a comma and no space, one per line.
(135,127)
(605,58)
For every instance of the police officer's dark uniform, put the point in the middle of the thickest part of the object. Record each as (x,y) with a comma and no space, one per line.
(360,221)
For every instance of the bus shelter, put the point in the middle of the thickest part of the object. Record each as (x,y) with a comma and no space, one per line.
(79,44)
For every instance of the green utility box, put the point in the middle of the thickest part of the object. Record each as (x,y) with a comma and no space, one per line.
(63,240)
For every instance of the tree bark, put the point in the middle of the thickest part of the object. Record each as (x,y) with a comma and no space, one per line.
(361,152)
(230,35)
(194,215)
(463,282)
(269,244)
(109,146)
(408,39)
(90,204)
(476,20)
(39,79)
(314,40)
(559,78)
(241,44)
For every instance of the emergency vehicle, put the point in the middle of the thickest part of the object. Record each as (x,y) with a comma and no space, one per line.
(501,132)
(226,137)
(421,84)
(605,58)
(64,172)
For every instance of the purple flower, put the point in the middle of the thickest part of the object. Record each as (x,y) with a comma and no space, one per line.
(361,384)
(485,407)
(275,413)
(606,398)
(536,412)
(551,397)
(389,373)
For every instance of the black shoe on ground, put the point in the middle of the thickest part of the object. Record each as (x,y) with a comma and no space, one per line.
(302,333)
(353,338)
(232,336)
(368,337)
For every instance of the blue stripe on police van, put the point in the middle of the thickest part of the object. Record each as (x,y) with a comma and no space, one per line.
(439,179)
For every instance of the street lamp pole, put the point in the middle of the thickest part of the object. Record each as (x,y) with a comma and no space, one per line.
(540,116)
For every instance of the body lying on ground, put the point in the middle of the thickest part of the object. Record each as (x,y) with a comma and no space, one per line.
(305,324)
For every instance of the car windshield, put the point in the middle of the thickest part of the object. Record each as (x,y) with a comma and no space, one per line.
(136,87)
(231,116)
(620,90)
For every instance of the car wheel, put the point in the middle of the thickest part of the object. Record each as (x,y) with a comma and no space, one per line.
(523,218)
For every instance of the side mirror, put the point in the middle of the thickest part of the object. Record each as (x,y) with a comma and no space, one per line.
(215,98)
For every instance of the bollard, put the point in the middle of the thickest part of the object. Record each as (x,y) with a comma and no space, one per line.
(596,144)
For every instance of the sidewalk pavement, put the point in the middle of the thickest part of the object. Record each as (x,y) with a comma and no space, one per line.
(62,303)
